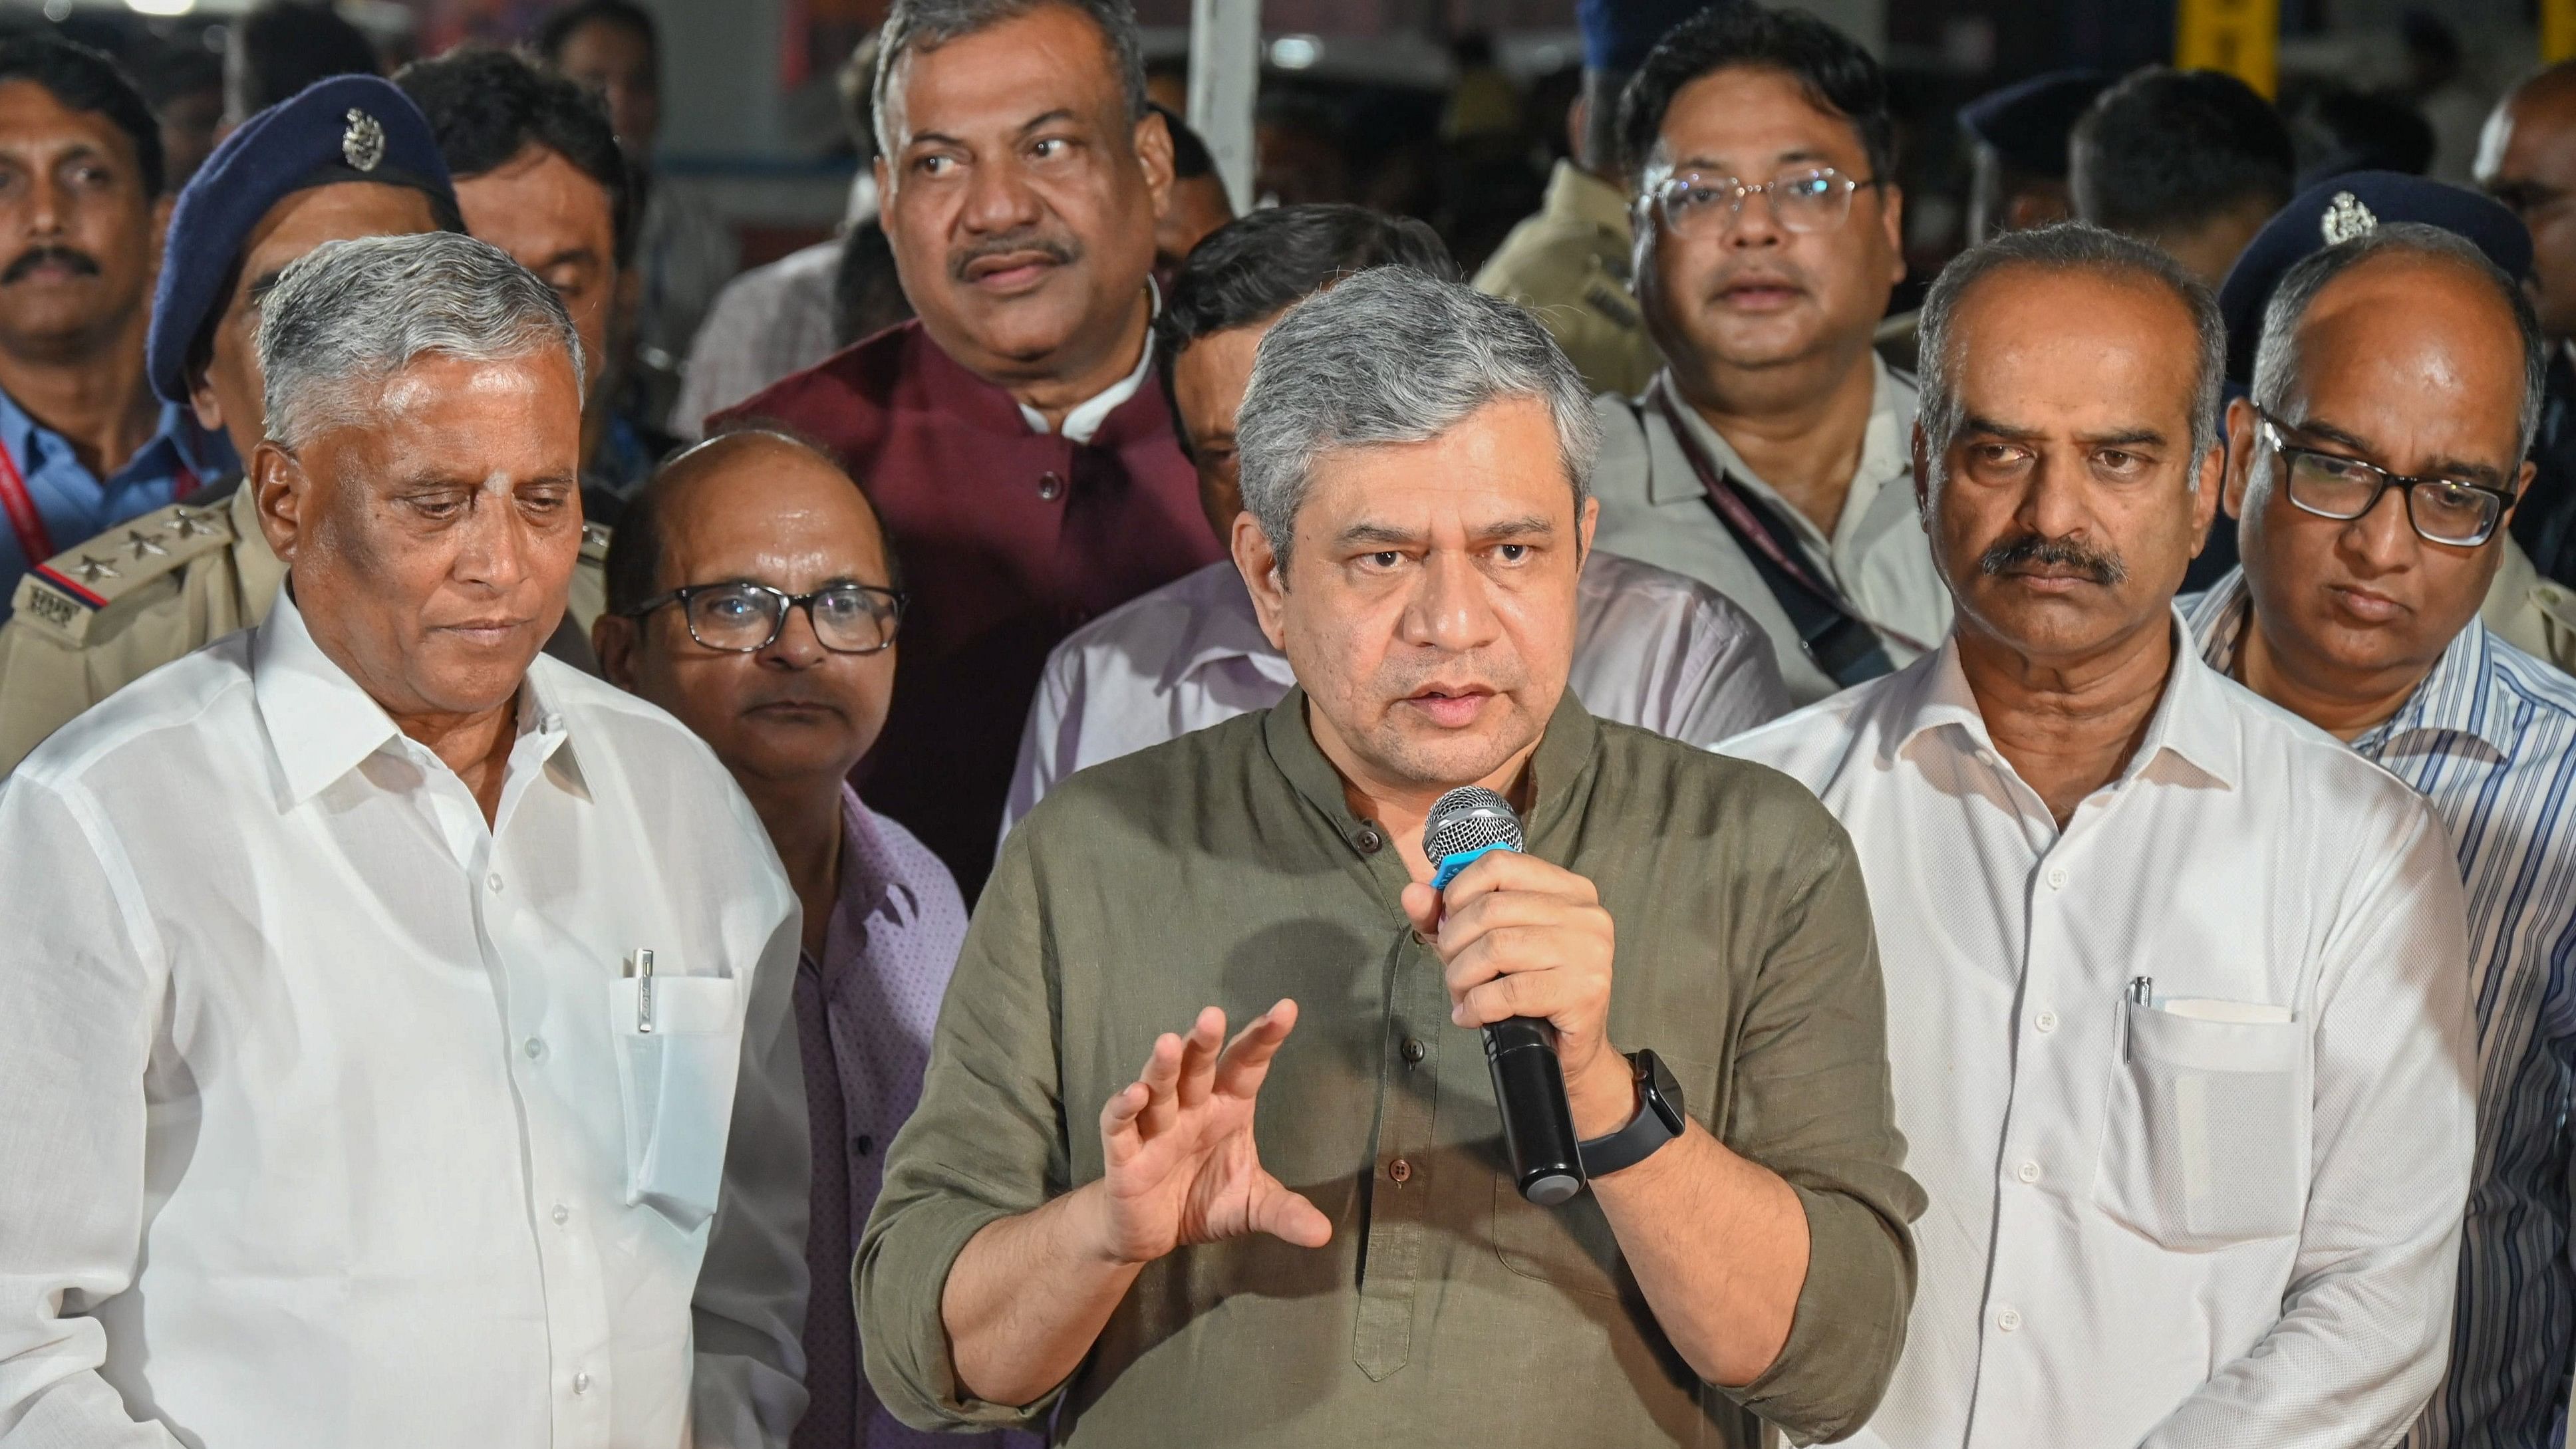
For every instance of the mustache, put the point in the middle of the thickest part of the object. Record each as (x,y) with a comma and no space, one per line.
(80,262)
(1060,250)
(2102,568)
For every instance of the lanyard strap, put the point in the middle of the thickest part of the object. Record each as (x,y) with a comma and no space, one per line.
(35,544)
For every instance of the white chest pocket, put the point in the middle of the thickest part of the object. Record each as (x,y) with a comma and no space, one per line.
(676,1083)
(2205,1134)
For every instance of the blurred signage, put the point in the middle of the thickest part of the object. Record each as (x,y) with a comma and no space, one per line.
(2243,38)
(2557,30)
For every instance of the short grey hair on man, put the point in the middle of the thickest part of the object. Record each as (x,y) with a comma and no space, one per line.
(350,314)
(2276,356)
(1393,355)
(929,24)
(2071,246)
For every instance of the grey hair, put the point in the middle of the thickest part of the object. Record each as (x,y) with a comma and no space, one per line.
(1393,355)
(2071,246)
(350,314)
(929,24)
(2276,361)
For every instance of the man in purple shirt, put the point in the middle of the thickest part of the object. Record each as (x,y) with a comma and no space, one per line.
(750,593)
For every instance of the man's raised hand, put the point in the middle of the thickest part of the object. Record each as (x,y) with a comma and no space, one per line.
(1182,1167)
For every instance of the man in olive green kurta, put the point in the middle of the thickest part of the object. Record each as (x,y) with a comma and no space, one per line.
(1350,1263)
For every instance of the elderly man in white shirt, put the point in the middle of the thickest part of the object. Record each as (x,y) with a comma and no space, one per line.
(2178,983)
(1652,648)
(394,1030)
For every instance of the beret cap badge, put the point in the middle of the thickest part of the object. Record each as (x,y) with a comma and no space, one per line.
(2345,218)
(362,144)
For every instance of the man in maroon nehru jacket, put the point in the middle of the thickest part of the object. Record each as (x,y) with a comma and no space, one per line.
(1015,437)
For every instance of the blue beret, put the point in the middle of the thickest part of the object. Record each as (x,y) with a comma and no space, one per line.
(2340,208)
(1618,33)
(2028,123)
(345,128)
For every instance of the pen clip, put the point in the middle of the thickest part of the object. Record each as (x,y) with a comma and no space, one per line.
(644,990)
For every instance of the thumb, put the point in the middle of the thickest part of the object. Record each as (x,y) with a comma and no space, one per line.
(1422,907)
(1289,1217)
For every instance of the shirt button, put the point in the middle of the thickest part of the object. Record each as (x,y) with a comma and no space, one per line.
(535,1048)
(2027,1172)
(1414,1050)
(494,881)
(1369,840)
(1400,1171)
(2046,1021)
(2008,1319)
(1420,939)
(863,1144)
(562,1215)
(1050,486)
(581,1383)
(2057,877)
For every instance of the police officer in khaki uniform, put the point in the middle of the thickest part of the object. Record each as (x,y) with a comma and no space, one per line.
(1570,263)
(349,157)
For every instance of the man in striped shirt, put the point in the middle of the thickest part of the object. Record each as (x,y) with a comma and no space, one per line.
(2372,472)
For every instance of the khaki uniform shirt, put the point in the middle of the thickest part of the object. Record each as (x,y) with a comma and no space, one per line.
(1654,508)
(161,586)
(1569,264)
(1225,868)
(2533,614)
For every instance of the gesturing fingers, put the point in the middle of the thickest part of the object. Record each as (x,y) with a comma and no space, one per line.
(1198,1058)
(1246,1062)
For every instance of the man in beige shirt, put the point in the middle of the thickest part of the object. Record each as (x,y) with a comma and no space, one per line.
(1355,1266)
(1771,458)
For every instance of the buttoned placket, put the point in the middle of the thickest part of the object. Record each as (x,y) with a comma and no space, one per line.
(579,1378)
(2062,1035)
(1400,1186)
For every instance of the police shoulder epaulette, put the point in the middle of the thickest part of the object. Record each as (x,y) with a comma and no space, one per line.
(594,543)
(65,594)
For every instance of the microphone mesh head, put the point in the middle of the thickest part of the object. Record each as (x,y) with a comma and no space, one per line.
(1470,817)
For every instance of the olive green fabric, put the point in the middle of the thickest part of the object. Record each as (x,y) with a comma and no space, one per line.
(1226,868)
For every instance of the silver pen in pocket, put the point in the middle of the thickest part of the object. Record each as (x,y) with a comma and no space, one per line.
(643,989)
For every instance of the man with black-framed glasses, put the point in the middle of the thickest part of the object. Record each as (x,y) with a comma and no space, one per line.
(752,594)
(2374,471)
(1769,458)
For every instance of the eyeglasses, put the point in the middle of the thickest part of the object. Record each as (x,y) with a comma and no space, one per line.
(2441,510)
(741,618)
(1811,199)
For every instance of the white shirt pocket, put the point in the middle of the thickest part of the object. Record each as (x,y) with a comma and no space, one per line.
(2205,1134)
(676,1084)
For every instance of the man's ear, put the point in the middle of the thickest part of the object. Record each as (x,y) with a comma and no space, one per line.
(1891,208)
(2211,482)
(1264,575)
(1153,142)
(2521,487)
(613,639)
(280,495)
(2241,442)
(208,408)
(1585,525)
(1922,477)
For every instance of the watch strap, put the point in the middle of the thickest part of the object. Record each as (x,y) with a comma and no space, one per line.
(1659,1120)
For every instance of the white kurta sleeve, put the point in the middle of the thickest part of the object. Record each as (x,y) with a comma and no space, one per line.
(82,982)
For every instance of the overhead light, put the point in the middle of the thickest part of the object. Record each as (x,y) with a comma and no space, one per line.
(160,7)
(1296,52)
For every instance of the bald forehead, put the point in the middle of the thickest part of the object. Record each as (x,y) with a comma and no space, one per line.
(756,492)
(2430,319)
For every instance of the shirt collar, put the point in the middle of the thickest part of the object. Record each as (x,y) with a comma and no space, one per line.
(1564,761)
(322,725)
(1886,451)
(202,453)
(1223,627)
(1081,424)
(2190,722)
(2450,699)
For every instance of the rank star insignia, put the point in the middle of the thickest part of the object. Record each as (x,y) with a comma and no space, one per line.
(2346,218)
(142,545)
(91,570)
(186,524)
(362,145)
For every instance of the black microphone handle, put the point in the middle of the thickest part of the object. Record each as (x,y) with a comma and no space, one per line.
(1538,1123)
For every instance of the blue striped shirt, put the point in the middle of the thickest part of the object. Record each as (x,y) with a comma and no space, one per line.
(2489,738)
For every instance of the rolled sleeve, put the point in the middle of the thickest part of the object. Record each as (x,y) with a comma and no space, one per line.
(987,1142)
(1813,1103)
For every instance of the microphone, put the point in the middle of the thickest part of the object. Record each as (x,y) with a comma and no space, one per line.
(1529,1086)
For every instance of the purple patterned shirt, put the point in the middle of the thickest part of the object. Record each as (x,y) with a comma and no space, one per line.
(863,1018)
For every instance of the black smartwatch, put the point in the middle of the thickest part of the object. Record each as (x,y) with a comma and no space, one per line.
(1659,1120)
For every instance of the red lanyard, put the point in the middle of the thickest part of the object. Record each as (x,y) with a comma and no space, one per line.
(35,545)
(35,542)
